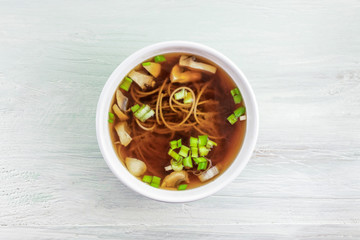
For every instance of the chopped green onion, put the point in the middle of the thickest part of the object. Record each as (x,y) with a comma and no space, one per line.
(184,151)
(187,162)
(188,98)
(182,187)
(155,185)
(232,119)
(193,142)
(156,180)
(126,83)
(196,160)
(179,143)
(176,165)
(180,94)
(201,159)
(147,115)
(194,152)
(203,151)
(174,155)
(146,63)
(237,99)
(235,92)
(147,179)
(159,58)
(174,144)
(142,111)
(135,108)
(210,144)
(202,165)
(203,140)
(111,115)
(240,111)
(111,120)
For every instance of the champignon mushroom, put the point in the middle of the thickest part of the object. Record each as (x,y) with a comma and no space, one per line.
(122,116)
(141,79)
(175,178)
(208,174)
(182,77)
(123,132)
(135,166)
(153,68)
(121,100)
(188,61)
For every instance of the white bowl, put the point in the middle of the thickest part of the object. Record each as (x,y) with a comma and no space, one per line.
(103,135)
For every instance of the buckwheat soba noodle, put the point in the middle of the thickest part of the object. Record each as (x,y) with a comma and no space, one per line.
(177,121)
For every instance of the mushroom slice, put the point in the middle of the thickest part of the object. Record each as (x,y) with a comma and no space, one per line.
(121,100)
(182,77)
(122,116)
(153,68)
(188,61)
(135,166)
(208,174)
(123,132)
(175,178)
(141,79)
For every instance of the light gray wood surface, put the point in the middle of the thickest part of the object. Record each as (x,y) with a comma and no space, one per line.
(302,58)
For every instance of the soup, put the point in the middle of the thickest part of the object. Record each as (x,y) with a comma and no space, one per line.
(177,121)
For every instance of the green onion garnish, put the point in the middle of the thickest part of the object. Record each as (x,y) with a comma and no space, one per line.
(188,98)
(147,179)
(142,111)
(180,94)
(203,151)
(210,144)
(147,115)
(194,151)
(111,117)
(240,111)
(146,63)
(135,108)
(182,187)
(202,165)
(155,182)
(184,151)
(111,120)
(126,83)
(235,92)
(159,58)
(174,155)
(187,162)
(232,119)
(176,165)
(203,140)
(237,99)
(175,144)
(196,160)
(201,159)
(193,142)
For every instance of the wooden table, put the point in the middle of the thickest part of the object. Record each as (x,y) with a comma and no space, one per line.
(302,59)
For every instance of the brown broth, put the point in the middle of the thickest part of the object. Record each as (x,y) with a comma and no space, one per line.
(157,156)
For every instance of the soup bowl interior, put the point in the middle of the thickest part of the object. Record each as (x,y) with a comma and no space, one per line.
(103,134)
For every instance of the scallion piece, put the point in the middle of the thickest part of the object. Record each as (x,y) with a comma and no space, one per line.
(187,162)
(193,142)
(179,143)
(235,92)
(147,115)
(203,140)
(237,99)
(156,180)
(194,152)
(174,144)
(232,119)
(110,120)
(135,108)
(203,151)
(174,155)
(196,160)
(180,94)
(239,111)
(182,187)
(201,159)
(159,58)
(126,83)
(188,98)
(111,115)
(184,151)
(210,144)
(142,111)
(146,64)
(176,165)
(147,179)
(202,165)
(155,185)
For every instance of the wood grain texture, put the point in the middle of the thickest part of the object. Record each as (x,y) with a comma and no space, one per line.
(302,59)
